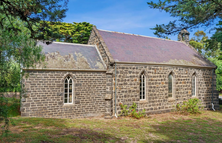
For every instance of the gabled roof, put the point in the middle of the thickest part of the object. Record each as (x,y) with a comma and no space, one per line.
(72,56)
(142,49)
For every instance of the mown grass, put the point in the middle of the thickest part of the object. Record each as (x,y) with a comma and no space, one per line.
(169,127)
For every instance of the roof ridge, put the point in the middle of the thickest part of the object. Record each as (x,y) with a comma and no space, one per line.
(140,35)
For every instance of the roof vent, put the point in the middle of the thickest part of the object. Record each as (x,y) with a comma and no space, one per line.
(184,36)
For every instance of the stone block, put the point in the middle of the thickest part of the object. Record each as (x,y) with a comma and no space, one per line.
(108,96)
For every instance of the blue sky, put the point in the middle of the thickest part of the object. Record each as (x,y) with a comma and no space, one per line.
(128,16)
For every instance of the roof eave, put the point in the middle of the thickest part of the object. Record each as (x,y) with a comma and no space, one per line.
(164,64)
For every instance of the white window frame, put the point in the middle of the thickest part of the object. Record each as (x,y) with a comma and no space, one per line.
(142,75)
(68,90)
(195,84)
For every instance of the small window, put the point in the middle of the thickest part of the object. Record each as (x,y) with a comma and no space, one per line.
(170,85)
(68,91)
(142,86)
(193,80)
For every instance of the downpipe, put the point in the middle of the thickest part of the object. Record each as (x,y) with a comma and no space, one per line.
(212,89)
(115,91)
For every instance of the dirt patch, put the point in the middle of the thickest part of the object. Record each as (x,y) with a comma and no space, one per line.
(86,134)
(133,125)
(15,129)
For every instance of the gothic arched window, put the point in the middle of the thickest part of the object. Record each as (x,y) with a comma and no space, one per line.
(142,86)
(170,85)
(193,84)
(68,91)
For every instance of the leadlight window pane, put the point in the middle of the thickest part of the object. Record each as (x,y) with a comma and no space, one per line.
(193,85)
(68,90)
(142,86)
(170,84)
(70,98)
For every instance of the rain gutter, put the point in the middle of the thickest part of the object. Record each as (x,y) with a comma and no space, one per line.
(166,64)
(62,69)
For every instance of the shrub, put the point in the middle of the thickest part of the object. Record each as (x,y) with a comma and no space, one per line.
(192,106)
(132,109)
(124,110)
(9,107)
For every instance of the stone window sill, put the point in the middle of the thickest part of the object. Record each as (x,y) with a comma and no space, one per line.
(143,101)
(193,97)
(68,105)
(171,99)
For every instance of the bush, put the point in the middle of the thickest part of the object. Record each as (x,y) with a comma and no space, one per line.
(9,107)
(192,106)
(124,110)
(132,110)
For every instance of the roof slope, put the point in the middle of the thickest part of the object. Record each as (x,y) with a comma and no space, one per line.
(71,56)
(135,48)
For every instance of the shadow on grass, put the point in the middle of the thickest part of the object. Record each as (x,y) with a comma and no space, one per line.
(201,128)
(196,129)
(43,130)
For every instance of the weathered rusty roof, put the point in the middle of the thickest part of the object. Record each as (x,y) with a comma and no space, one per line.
(136,48)
(72,56)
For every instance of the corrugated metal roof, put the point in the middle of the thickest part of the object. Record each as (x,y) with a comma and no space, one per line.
(72,56)
(135,48)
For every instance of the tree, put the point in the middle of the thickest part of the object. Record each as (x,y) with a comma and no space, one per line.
(214,44)
(198,42)
(19,26)
(31,12)
(11,78)
(69,32)
(190,14)
(218,72)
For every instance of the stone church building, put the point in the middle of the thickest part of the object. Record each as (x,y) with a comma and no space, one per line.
(77,80)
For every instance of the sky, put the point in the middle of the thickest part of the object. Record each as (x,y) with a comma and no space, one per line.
(128,16)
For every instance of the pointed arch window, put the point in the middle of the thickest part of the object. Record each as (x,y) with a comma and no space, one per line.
(170,85)
(142,86)
(193,84)
(68,91)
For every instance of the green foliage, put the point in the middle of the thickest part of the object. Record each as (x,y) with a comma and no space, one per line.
(31,12)
(214,44)
(167,38)
(124,110)
(192,106)
(197,45)
(19,25)
(8,108)
(190,14)
(68,32)
(131,112)
(11,78)
(218,72)
(16,50)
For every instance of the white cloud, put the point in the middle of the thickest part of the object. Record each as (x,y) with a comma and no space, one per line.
(122,16)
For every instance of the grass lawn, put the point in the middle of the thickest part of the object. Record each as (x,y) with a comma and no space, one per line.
(169,127)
